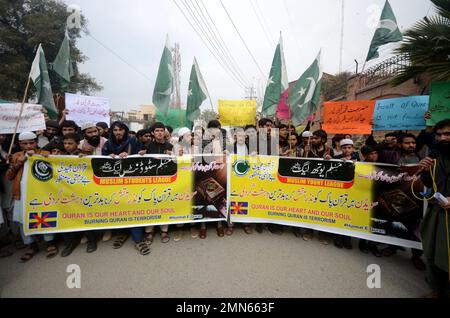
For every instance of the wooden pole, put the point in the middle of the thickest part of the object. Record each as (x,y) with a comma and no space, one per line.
(18,119)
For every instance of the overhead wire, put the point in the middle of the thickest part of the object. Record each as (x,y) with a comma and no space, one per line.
(207,46)
(242,39)
(219,40)
(210,41)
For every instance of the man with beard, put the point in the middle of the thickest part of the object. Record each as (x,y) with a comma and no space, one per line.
(435,225)
(388,149)
(50,132)
(92,143)
(408,154)
(318,149)
(121,145)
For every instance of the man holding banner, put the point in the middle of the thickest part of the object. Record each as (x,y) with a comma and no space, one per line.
(28,144)
(435,225)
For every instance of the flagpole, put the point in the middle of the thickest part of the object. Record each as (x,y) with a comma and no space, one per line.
(18,118)
(364,65)
(289,129)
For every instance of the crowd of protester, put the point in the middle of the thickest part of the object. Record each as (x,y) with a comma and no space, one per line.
(117,141)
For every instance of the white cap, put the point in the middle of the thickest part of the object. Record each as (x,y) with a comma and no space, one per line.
(306,134)
(27,136)
(183,131)
(345,142)
(88,125)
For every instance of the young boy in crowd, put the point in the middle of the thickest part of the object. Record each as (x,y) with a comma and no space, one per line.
(348,154)
(72,239)
(369,154)
(159,145)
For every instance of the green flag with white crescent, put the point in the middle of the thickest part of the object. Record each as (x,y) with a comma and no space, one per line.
(387,32)
(197,93)
(62,64)
(278,82)
(41,80)
(304,96)
(164,81)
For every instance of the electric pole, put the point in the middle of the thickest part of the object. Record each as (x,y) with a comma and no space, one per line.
(176,61)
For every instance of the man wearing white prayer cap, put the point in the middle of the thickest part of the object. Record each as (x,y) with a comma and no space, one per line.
(29,145)
(306,138)
(348,150)
(92,143)
(28,135)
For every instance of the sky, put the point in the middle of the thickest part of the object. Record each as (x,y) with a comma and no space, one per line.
(134,34)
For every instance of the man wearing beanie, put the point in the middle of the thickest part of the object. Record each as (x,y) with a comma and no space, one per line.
(92,143)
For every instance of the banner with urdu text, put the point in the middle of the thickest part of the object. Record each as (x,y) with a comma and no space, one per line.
(67,193)
(369,201)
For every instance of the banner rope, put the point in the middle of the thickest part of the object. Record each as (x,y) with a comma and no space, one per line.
(433,174)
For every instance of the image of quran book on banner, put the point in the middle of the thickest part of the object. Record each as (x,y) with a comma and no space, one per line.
(363,200)
(210,181)
(398,212)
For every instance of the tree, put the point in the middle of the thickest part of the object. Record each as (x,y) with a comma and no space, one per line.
(149,123)
(208,115)
(23,25)
(334,86)
(427,44)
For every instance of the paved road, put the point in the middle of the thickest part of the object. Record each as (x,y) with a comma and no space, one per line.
(257,265)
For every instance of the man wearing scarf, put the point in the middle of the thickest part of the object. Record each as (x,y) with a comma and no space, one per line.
(93,143)
(435,223)
(120,143)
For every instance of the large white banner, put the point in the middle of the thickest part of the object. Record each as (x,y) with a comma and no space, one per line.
(87,109)
(32,118)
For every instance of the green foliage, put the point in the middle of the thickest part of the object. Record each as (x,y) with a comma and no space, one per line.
(335,86)
(23,25)
(427,44)
(207,115)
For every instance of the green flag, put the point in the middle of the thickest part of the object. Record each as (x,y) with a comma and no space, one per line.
(278,82)
(41,80)
(164,81)
(304,96)
(62,64)
(387,31)
(172,118)
(197,93)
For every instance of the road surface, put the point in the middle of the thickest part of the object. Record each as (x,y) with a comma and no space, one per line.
(241,265)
